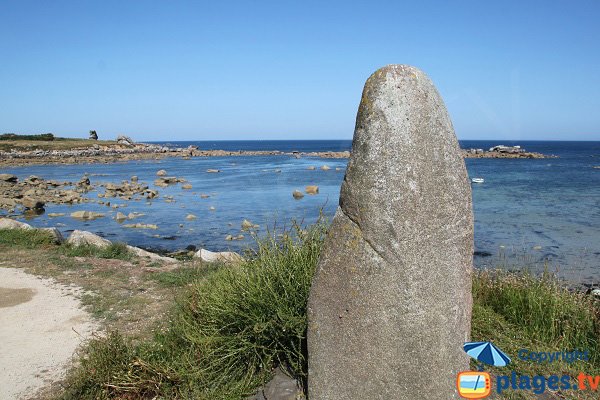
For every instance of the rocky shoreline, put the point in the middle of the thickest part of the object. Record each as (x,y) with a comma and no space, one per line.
(123,152)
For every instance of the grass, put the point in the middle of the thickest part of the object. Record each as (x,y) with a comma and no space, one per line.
(537,313)
(29,239)
(36,238)
(56,144)
(231,327)
(233,324)
(116,251)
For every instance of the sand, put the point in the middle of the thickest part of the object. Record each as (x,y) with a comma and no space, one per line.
(41,325)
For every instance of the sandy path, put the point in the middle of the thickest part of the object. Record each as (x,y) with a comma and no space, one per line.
(41,325)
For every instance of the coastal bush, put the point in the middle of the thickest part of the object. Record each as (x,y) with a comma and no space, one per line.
(13,136)
(224,337)
(26,238)
(114,250)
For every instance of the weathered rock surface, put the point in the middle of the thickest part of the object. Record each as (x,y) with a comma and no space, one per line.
(311,189)
(390,304)
(86,215)
(152,256)
(82,238)
(55,233)
(141,226)
(8,178)
(281,387)
(223,256)
(7,223)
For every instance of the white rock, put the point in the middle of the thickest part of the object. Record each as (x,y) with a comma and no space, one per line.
(223,256)
(7,223)
(155,257)
(81,238)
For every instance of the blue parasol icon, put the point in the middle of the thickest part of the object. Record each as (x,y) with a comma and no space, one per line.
(487,353)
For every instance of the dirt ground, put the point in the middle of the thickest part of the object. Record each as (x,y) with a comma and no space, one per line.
(43,323)
(50,304)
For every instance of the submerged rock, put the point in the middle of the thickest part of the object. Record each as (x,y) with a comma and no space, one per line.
(88,215)
(141,226)
(120,216)
(312,189)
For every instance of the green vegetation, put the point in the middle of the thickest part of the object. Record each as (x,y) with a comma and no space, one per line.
(13,136)
(521,311)
(233,324)
(35,238)
(29,239)
(117,251)
(231,327)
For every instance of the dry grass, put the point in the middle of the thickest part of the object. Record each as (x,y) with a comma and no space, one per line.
(57,144)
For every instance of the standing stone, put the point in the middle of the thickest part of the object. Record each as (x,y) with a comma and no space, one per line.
(390,304)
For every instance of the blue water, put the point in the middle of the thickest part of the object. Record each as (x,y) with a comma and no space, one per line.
(528,213)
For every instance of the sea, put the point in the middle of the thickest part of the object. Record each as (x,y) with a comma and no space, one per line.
(534,214)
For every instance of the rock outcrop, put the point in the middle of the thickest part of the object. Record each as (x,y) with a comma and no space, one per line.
(390,304)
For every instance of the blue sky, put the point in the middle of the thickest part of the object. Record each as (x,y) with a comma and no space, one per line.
(199,70)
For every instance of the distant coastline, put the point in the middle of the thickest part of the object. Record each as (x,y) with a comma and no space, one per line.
(77,151)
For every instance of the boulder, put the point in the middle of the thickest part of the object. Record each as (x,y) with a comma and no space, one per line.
(246,225)
(125,140)
(223,256)
(82,238)
(8,178)
(32,204)
(55,233)
(7,223)
(152,256)
(325,168)
(311,168)
(213,171)
(120,216)
(390,304)
(87,215)
(190,217)
(297,194)
(186,186)
(141,226)
(311,189)
(161,172)
(134,179)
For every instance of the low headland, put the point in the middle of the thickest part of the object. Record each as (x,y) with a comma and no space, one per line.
(19,150)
